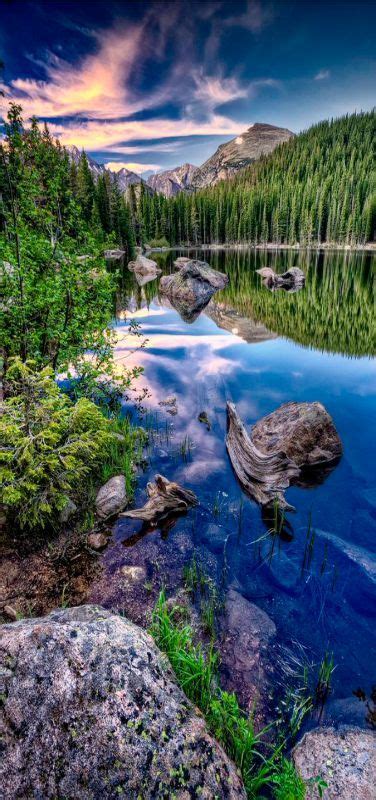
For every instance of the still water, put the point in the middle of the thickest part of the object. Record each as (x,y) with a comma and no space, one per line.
(259,349)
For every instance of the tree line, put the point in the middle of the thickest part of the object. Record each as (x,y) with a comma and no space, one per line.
(317,187)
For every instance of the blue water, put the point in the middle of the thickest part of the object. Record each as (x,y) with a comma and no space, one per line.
(322,596)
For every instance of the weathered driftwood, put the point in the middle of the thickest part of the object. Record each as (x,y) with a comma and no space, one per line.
(165,497)
(294,444)
(263,476)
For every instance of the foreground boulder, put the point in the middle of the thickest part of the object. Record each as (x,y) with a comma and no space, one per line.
(190,290)
(91,711)
(111,498)
(144,266)
(295,441)
(292,280)
(344,758)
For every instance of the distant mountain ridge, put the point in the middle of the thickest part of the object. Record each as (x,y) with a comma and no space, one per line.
(259,139)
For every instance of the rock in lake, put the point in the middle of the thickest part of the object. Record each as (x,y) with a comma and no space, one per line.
(111,498)
(345,758)
(114,255)
(285,447)
(144,266)
(291,280)
(190,290)
(181,261)
(91,711)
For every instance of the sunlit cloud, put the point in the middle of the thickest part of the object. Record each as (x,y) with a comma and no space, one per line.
(216,91)
(98,135)
(322,75)
(133,166)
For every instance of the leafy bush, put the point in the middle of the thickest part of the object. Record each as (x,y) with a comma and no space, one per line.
(49,445)
(161,242)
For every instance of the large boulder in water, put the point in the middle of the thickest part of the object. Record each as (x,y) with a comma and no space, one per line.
(291,445)
(91,711)
(304,431)
(190,290)
(144,266)
(345,758)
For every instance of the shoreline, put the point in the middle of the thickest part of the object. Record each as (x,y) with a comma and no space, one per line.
(369,247)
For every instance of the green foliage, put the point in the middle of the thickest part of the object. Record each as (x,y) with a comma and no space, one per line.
(161,242)
(288,785)
(197,673)
(57,292)
(48,445)
(317,187)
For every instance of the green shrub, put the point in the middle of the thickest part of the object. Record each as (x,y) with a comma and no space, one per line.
(49,445)
(161,242)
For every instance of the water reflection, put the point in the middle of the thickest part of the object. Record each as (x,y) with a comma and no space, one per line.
(314,574)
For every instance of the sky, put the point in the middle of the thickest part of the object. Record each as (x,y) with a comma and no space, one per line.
(151,85)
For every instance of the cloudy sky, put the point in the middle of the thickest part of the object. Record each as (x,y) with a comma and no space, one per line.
(149,85)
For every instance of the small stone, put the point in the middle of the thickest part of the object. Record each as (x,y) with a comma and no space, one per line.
(111,498)
(11,613)
(69,509)
(133,574)
(97,541)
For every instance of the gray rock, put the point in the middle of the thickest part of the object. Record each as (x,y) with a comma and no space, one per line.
(111,498)
(190,290)
(345,758)
(69,509)
(114,255)
(92,712)
(144,266)
(97,541)
(181,261)
(247,637)
(292,280)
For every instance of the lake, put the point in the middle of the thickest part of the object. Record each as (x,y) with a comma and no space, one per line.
(259,349)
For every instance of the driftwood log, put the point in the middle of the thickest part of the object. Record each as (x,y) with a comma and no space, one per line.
(165,497)
(263,476)
(298,443)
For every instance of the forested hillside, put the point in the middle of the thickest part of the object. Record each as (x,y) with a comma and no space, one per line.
(318,187)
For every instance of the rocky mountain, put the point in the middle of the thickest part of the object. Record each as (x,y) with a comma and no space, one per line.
(258,140)
(126,177)
(173,181)
(231,156)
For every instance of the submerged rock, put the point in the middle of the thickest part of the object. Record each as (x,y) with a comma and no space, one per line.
(247,637)
(91,711)
(144,266)
(345,758)
(111,498)
(282,448)
(190,290)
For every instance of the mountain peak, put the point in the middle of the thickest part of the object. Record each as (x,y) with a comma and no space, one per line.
(259,139)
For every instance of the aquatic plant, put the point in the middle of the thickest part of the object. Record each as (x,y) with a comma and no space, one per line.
(196,670)
(323,686)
